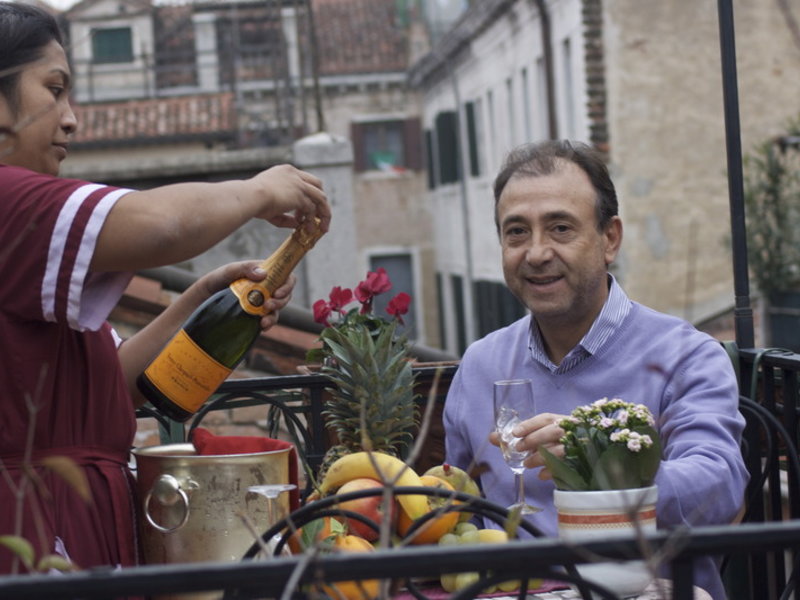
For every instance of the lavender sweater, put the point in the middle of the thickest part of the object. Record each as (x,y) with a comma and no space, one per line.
(682,375)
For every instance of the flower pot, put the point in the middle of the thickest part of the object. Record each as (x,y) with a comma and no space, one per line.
(603,515)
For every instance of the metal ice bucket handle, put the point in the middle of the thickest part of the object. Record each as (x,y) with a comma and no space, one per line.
(168,491)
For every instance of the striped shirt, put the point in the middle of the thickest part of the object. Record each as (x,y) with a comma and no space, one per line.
(614,311)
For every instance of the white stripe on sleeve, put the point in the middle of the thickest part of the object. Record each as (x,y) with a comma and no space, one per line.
(57,242)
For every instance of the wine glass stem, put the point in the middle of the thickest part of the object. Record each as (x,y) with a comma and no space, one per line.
(520,488)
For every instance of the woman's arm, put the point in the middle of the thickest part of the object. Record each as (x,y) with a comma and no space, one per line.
(169,224)
(136,352)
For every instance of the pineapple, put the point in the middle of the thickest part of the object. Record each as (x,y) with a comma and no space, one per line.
(372,405)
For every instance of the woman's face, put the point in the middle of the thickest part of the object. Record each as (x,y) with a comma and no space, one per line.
(42,119)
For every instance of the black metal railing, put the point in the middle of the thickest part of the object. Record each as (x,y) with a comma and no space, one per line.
(540,558)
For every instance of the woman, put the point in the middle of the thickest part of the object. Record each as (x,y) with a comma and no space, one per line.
(69,249)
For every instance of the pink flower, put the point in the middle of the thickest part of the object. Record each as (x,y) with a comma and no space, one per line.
(322,310)
(340,298)
(377,282)
(398,306)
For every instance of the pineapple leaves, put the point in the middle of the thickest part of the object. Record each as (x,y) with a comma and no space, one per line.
(370,372)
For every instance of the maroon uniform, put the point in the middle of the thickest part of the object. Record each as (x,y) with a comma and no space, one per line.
(63,392)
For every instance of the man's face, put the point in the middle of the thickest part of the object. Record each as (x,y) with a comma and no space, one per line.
(554,258)
(42,118)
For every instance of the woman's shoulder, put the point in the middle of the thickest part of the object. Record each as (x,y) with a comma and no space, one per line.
(23,188)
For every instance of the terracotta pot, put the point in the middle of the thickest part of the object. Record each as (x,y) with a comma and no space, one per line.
(601,515)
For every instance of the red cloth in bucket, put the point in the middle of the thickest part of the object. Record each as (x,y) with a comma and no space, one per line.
(206,443)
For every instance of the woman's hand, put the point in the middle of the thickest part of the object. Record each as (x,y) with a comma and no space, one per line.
(293,197)
(540,431)
(222,277)
(136,353)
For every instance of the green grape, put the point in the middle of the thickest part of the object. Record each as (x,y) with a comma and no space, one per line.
(470,537)
(465,527)
(449,539)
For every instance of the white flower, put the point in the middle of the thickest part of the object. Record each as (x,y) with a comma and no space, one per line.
(634,444)
(606,423)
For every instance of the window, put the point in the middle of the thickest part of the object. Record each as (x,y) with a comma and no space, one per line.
(430,159)
(391,145)
(399,267)
(441,309)
(447,146)
(495,306)
(460,312)
(114,45)
(474,137)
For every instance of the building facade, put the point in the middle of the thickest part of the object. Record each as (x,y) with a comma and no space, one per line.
(203,90)
(638,79)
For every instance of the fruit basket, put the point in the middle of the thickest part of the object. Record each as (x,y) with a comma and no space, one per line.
(285,536)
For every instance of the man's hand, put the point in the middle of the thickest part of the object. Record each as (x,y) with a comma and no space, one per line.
(540,431)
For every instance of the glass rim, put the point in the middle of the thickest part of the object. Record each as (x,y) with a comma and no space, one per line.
(512,381)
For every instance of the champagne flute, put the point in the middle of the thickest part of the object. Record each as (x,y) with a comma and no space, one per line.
(513,403)
(271,493)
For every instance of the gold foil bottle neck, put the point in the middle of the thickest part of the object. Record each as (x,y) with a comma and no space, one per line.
(254,294)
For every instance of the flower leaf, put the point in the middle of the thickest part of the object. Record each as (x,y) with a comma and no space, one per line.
(565,476)
(616,469)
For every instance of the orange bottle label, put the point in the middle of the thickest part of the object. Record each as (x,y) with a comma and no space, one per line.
(185,373)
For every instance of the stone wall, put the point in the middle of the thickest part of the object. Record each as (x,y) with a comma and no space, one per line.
(667,138)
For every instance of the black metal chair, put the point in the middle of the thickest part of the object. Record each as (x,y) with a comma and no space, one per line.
(772,460)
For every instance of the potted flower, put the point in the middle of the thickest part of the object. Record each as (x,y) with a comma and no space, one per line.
(372,401)
(608,445)
(605,483)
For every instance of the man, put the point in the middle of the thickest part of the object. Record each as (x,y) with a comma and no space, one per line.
(556,215)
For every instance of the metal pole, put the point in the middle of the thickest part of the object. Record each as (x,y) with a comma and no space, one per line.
(743,313)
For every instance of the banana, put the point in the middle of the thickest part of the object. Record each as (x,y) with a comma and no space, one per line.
(380,466)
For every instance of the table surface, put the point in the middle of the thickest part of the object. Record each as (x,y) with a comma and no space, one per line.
(658,590)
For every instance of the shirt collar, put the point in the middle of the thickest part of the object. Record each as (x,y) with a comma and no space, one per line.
(613,313)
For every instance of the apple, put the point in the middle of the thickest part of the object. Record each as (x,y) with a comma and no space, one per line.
(371,507)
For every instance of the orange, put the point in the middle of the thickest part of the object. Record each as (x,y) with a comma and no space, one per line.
(313,533)
(366,589)
(433,529)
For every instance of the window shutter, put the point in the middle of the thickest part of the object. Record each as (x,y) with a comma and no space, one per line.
(472,140)
(430,159)
(447,142)
(359,156)
(412,141)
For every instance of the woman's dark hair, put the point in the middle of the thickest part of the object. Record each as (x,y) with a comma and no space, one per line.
(536,160)
(24,32)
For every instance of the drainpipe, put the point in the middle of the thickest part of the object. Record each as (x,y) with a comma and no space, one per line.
(547,48)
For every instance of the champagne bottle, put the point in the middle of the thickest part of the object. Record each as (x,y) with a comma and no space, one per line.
(215,338)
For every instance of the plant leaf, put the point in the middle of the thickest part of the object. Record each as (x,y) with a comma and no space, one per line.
(70,472)
(19,546)
(54,561)
(564,476)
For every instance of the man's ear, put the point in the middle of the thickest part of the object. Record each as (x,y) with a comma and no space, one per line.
(613,239)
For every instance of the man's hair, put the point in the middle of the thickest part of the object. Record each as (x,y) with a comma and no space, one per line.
(543,158)
(25,30)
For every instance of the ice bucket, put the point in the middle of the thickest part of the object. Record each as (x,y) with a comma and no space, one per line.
(191,506)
